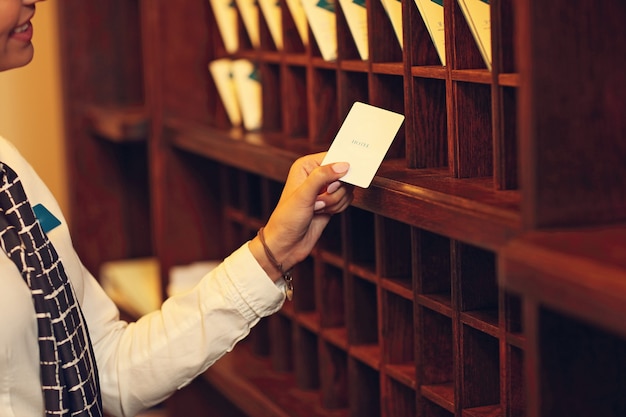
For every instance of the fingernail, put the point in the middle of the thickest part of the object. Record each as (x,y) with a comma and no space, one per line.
(340,167)
(319,205)
(332,187)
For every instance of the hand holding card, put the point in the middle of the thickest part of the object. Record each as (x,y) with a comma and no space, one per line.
(363,140)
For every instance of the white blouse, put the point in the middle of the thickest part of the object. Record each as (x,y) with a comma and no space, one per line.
(141,363)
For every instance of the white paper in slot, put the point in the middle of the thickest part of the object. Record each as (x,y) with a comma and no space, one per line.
(299,18)
(249,90)
(393,8)
(323,22)
(249,10)
(356,16)
(222,73)
(273,16)
(225,13)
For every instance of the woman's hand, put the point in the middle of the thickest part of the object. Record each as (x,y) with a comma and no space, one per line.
(312,194)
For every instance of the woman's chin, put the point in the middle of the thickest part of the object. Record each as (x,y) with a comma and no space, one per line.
(17,60)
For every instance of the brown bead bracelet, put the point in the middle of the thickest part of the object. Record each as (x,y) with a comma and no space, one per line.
(286,275)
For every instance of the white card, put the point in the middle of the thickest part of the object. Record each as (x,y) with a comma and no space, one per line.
(363,140)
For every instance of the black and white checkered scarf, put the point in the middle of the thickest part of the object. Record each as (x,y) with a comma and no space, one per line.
(69,377)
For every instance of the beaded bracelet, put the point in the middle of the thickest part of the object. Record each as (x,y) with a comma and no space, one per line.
(286,275)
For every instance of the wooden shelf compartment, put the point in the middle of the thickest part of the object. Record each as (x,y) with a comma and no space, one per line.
(514,384)
(306,359)
(474,276)
(435,359)
(281,346)
(360,227)
(429,409)
(346,44)
(436,400)
(295,106)
(433,267)
(419,49)
(332,240)
(470,144)
(511,313)
(387,91)
(398,399)
(304,300)
(333,376)
(385,48)
(292,42)
(364,393)
(330,295)
(397,337)
(354,86)
(461,47)
(505,169)
(361,308)
(393,254)
(427,131)
(479,370)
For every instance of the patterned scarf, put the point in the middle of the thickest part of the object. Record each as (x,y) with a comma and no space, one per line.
(69,376)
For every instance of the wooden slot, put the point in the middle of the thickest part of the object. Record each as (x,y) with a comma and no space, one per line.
(295,104)
(260,338)
(272,106)
(333,376)
(360,224)
(363,390)
(397,331)
(387,92)
(420,50)
(352,87)
(292,42)
(332,238)
(506,167)
(399,399)
(346,44)
(394,251)
(386,48)
(330,296)
(281,345)
(433,268)
(361,311)
(480,372)
(429,409)
(503,29)
(306,360)
(463,47)
(514,395)
(304,286)
(322,105)
(513,314)
(426,124)
(471,147)
(252,194)
(435,359)
(475,269)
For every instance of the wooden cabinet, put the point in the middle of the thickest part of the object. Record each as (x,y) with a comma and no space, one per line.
(445,290)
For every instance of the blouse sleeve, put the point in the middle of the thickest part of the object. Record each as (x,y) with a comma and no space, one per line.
(142,363)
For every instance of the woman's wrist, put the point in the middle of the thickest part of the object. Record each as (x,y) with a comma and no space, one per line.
(257,250)
(270,264)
